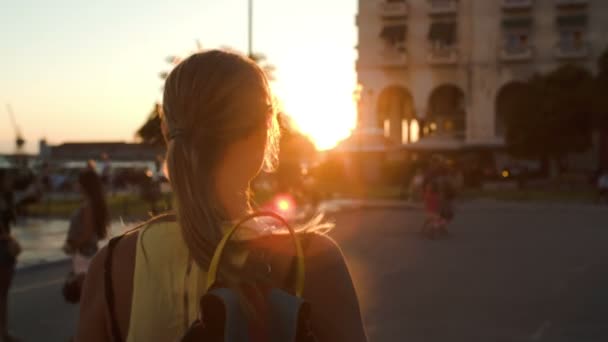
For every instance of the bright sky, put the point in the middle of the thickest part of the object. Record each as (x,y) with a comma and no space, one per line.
(88,70)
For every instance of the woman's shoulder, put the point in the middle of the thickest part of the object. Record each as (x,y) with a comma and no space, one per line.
(120,257)
(315,245)
(124,247)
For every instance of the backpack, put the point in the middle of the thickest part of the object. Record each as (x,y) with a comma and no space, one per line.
(286,316)
(282,314)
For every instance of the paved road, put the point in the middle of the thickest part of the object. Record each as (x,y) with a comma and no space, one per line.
(509,273)
(42,239)
(37,309)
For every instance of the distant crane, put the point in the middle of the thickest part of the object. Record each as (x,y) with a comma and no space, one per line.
(19,140)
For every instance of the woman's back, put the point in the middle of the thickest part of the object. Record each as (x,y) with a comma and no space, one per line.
(166,285)
(157,289)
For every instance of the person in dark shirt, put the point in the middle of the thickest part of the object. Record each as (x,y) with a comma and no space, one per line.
(7,254)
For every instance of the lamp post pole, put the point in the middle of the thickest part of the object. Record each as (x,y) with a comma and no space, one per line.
(250,30)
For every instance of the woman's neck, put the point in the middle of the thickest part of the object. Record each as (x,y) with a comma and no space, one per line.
(233,197)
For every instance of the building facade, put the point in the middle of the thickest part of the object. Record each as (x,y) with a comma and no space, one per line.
(446,68)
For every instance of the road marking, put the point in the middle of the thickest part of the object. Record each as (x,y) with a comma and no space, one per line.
(37,286)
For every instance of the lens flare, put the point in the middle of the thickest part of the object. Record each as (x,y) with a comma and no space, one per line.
(283,204)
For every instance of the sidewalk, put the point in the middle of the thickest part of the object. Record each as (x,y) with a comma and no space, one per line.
(42,239)
(337,205)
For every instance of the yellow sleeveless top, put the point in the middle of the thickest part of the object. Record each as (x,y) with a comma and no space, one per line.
(166,285)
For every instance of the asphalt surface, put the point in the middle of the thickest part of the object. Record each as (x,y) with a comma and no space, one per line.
(37,309)
(507,273)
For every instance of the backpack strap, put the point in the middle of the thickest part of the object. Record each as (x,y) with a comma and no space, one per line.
(109,289)
(290,276)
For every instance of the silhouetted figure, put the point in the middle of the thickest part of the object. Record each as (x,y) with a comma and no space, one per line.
(9,249)
(88,225)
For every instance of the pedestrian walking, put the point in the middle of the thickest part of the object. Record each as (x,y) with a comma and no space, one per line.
(88,225)
(602,186)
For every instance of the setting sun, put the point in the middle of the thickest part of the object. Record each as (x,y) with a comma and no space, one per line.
(319,98)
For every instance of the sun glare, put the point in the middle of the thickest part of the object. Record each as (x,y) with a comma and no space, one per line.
(319,98)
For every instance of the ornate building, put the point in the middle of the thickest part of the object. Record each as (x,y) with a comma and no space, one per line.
(446,68)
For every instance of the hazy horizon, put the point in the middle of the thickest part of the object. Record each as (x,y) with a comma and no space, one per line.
(89,72)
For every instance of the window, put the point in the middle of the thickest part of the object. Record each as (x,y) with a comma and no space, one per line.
(442,35)
(572,30)
(387,128)
(516,41)
(394,35)
(405,131)
(414,131)
(571,39)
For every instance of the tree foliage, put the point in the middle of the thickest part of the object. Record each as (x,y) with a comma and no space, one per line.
(553,116)
(150,132)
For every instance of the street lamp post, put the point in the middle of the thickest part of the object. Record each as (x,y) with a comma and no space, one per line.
(250,30)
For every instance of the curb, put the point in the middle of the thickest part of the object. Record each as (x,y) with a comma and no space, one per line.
(364,205)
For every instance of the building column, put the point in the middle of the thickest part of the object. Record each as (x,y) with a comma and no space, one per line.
(367,108)
(481,107)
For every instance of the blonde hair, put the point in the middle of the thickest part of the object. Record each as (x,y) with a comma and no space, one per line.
(211,100)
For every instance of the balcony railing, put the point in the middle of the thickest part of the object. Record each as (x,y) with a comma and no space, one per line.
(517,4)
(393,9)
(572,51)
(516,54)
(395,56)
(440,7)
(389,57)
(443,56)
(571,2)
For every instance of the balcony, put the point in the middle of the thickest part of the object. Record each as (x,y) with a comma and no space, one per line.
(394,56)
(442,7)
(443,56)
(517,4)
(393,9)
(516,53)
(568,3)
(387,57)
(572,50)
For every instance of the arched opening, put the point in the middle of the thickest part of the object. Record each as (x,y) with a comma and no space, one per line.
(396,115)
(446,114)
(508,100)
